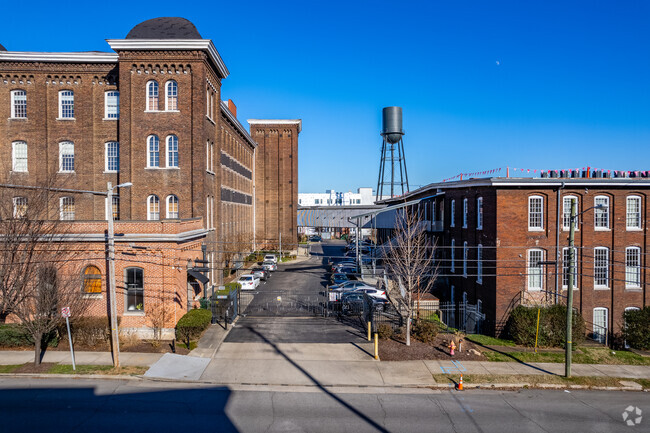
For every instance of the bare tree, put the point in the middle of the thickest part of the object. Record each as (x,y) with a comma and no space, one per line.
(410,264)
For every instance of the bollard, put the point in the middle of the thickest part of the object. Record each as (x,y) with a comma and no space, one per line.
(369,337)
(376,347)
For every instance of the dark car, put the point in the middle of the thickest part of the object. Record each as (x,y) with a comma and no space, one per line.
(315,238)
(339,278)
(353,302)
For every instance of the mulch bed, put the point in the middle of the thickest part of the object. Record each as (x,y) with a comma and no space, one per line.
(397,350)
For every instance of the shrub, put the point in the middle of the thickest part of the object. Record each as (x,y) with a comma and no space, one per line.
(89,331)
(522,326)
(233,286)
(424,331)
(385,331)
(12,335)
(636,329)
(192,324)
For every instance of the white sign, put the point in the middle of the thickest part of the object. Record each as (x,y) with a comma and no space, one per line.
(279,298)
(65,312)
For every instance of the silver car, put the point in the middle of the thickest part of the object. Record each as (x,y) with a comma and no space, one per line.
(269,265)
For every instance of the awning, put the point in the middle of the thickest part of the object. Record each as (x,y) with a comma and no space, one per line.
(198,276)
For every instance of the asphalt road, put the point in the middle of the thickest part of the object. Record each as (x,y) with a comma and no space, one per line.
(64,405)
(289,307)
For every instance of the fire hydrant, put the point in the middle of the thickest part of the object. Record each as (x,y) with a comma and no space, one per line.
(452,347)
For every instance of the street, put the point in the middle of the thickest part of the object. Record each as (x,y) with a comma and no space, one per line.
(106,405)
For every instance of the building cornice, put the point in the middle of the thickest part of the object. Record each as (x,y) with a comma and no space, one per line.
(86,57)
(173,45)
(276,122)
(226,111)
(132,237)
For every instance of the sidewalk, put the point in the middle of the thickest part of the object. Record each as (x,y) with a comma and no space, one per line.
(15,357)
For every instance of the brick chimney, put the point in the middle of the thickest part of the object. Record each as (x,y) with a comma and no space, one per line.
(232,107)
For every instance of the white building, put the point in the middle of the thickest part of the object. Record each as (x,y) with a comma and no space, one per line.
(362,197)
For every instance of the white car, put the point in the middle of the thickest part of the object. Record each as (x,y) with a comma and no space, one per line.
(271,257)
(269,265)
(248,282)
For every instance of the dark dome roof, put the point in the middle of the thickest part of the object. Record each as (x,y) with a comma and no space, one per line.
(2,48)
(164,28)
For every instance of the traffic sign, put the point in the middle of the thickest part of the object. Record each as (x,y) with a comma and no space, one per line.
(65,312)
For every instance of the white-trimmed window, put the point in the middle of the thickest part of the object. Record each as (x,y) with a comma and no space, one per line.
(565,267)
(153,208)
(566,212)
(479,213)
(465,213)
(601,216)
(452,212)
(66,157)
(632,267)
(112,156)
(465,250)
(134,279)
(19,156)
(633,212)
(66,104)
(600,324)
(452,267)
(601,267)
(172,206)
(152,96)
(18,104)
(20,207)
(535,270)
(479,264)
(172,151)
(535,212)
(115,207)
(153,151)
(112,104)
(171,92)
(67,208)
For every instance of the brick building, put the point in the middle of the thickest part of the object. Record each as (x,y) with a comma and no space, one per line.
(151,114)
(492,233)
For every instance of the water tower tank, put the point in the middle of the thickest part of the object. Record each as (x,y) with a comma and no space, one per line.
(392,124)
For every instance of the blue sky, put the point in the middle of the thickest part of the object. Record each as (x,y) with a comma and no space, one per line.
(540,85)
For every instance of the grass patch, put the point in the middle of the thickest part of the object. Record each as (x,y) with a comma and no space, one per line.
(489,341)
(645,383)
(193,344)
(97,369)
(532,379)
(584,355)
(8,368)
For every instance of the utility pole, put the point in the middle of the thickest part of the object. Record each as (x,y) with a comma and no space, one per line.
(115,335)
(569,299)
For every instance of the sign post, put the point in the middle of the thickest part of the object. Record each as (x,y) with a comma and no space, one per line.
(65,312)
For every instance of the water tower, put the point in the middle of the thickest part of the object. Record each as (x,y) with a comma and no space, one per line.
(392,132)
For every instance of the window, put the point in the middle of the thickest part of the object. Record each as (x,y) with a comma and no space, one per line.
(535,270)
(601,267)
(152,96)
(20,207)
(452,210)
(66,205)
(18,104)
(479,264)
(19,156)
(112,105)
(479,213)
(66,104)
(112,156)
(465,260)
(633,212)
(566,212)
(600,324)
(66,156)
(92,281)
(153,207)
(632,267)
(172,206)
(566,257)
(601,216)
(453,256)
(171,89)
(115,207)
(465,213)
(535,213)
(209,156)
(153,151)
(172,151)
(134,289)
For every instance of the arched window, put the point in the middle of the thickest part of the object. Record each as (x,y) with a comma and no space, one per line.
(152,96)
(112,156)
(566,212)
(19,156)
(153,208)
(66,104)
(535,212)
(91,280)
(153,151)
(479,213)
(535,270)
(20,207)
(66,156)
(465,250)
(632,267)
(134,281)
(172,206)
(465,213)
(112,104)
(601,267)
(479,264)
(171,90)
(452,212)
(452,268)
(600,324)
(633,212)
(67,208)
(601,215)
(172,151)
(18,104)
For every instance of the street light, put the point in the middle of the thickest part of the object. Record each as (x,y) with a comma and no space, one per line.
(115,335)
(569,300)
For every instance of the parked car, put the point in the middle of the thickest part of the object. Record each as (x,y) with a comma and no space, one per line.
(271,257)
(349,285)
(346,264)
(261,273)
(269,265)
(339,278)
(353,302)
(315,238)
(248,282)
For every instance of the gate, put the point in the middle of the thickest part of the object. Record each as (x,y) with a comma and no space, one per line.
(224,307)
(280,304)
